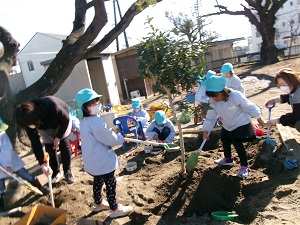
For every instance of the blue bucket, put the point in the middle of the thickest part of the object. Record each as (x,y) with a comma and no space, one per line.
(190,97)
(290,164)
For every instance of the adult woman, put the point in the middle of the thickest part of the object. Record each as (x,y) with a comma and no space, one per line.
(288,80)
(50,118)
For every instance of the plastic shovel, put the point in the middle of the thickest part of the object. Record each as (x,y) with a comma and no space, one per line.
(167,147)
(193,159)
(28,186)
(271,143)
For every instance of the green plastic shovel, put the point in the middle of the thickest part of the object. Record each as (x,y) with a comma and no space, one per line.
(193,159)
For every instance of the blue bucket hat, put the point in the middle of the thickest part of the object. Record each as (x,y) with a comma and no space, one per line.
(84,96)
(226,68)
(210,73)
(160,117)
(215,83)
(135,103)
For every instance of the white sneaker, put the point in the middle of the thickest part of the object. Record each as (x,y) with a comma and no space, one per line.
(120,211)
(102,206)
(244,171)
(224,162)
(57,178)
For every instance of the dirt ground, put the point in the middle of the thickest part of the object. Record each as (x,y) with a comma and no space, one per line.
(161,195)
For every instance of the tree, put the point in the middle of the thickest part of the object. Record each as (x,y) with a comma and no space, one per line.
(171,62)
(75,48)
(192,26)
(262,15)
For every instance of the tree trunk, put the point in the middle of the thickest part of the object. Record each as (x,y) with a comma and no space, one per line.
(268,49)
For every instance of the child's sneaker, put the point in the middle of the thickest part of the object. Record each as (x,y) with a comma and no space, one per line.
(244,171)
(225,161)
(102,206)
(120,211)
(57,178)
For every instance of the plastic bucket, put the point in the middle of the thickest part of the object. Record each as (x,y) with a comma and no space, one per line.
(290,164)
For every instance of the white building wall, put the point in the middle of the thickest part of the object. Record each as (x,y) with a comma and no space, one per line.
(78,79)
(39,49)
(111,79)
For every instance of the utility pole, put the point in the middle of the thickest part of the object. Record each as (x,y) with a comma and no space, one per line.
(115,17)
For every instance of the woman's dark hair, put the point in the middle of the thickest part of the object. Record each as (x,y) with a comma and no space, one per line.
(28,113)
(225,92)
(290,76)
(84,107)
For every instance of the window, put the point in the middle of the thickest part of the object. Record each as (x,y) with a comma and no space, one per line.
(299,18)
(30,65)
(283,24)
(291,3)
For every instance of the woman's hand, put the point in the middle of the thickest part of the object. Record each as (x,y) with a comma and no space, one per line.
(46,169)
(273,122)
(56,143)
(273,100)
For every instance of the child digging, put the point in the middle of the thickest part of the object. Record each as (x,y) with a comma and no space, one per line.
(236,111)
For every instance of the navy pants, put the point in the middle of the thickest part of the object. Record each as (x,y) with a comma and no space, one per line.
(110,183)
(163,134)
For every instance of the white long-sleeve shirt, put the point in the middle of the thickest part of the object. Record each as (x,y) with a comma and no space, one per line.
(150,133)
(8,157)
(234,82)
(235,112)
(141,115)
(96,143)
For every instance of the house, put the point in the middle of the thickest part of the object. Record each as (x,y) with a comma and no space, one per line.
(95,73)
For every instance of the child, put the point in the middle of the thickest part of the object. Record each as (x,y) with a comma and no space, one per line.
(99,159)
(236,111)
(288,80)
(75,128)
(11,162)
(140,114)
(108,105)
(232,80)
(201,96)
(161,129)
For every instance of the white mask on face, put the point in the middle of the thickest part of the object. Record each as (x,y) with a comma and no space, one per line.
(285,89)
(95,110)
(32,126)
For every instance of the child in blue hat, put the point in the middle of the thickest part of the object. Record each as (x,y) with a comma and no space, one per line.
(201,96)
(139,113)
(99,158)
(236,111)
(232,80)
(161,129)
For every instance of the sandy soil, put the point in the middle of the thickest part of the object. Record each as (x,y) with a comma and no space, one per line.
(160,195)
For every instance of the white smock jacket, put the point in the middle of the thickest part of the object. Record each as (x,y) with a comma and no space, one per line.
(8,157)
(235,83)
(235,112)
(96,144)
